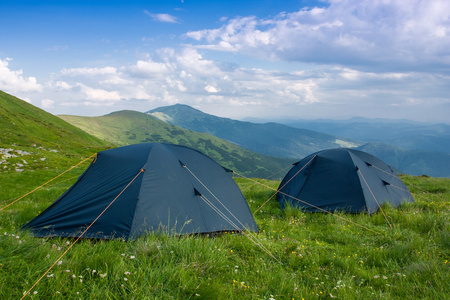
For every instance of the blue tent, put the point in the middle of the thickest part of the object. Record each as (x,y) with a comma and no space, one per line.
(342,180)
(176,190)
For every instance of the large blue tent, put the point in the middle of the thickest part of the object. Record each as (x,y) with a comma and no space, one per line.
(162,187)
(342,180)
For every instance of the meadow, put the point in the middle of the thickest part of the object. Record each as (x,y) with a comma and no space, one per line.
(312,255)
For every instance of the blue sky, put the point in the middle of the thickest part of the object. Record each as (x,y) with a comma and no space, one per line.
(268,59)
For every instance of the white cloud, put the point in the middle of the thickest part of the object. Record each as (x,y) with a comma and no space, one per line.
(60,85)
(210,89)
(99,95)
(395,34)
(47,103)
(14,81)
(165,18)
(149,68)
(89,71)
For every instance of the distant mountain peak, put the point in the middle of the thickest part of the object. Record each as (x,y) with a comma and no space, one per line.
(272,138)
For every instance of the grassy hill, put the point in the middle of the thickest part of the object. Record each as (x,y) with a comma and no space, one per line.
(268,138)
(31,138)
(130,127)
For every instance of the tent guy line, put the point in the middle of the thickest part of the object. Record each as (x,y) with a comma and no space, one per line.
(325,211)
(284,185)
(81,235)
(250,236)
(20,198)
(375,198)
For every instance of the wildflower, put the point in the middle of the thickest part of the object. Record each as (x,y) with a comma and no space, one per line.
(35,292)
(376,276)
(73,276)
(59,263)
(127,273)
(68,271)
(81,280)
(48,256)
(384,277)
(125,279)
(123,254)
(103,275)
(49,275)
(94,271)
(17,237)
(132,257)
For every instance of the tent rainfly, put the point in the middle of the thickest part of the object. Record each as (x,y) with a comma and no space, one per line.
(341,180)
(175,189)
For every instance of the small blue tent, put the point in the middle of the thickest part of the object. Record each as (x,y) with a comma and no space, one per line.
(342,180)
(179,191)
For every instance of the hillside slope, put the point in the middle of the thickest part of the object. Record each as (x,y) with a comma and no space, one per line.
(31,138)
(268,138)
(130,127)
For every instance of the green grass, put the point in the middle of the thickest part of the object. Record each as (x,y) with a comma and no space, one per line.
(318,256)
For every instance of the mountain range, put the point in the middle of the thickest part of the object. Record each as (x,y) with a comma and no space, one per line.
(31,138)
(406,134)
(269,138)
(373,136)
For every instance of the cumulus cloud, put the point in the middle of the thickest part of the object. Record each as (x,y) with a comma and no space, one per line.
(47,103)
(395,34)
(99,95)
(165,18)
(14,81)
(210,89)
(149,68)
